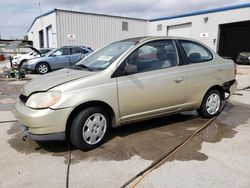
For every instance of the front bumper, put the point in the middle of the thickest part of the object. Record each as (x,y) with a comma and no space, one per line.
(42,137)
(29,67)
(42,123)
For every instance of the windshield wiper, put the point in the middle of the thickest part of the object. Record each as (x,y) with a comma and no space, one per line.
(82,66)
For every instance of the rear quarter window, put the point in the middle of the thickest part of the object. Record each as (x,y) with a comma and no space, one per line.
(195,52)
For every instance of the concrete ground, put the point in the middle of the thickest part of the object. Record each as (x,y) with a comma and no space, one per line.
(3,64)
(219,156)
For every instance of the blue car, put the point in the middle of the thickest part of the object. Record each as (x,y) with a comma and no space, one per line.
(60,58)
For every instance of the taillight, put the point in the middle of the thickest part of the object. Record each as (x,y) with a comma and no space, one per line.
(235,70)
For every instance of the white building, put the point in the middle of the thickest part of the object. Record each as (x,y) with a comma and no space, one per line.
(225,29)
(62,27)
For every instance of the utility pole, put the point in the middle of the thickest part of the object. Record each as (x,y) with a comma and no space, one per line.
(70,4)
(40,10)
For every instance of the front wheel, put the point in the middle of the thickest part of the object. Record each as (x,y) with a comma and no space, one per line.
(42,68)
(211,104)
(89,128)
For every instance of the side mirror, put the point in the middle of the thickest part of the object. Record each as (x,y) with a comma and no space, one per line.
(130,69)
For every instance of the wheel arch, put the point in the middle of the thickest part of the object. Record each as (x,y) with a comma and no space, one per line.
(218,88)
(95,103)
(23,60)
(43,62)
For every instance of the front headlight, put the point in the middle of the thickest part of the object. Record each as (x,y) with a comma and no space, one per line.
(43,99)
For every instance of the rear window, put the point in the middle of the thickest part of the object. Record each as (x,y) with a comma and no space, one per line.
(196,53)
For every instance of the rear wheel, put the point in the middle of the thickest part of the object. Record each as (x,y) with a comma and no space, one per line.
(22,75)
(42,68)
(89,128)
(211,104)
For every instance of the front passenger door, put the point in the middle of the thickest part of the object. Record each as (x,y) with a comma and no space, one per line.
(159,85)
(60,58)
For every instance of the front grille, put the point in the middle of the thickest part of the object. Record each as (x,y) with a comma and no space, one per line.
(23,98)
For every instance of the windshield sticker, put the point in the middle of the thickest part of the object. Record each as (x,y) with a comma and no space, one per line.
(105,58)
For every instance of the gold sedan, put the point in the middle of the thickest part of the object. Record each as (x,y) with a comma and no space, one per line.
(126,81)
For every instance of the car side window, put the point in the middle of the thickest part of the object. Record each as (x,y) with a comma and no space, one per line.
(154,55)
(196,53)
(85,51)
(76,50)
(61,52)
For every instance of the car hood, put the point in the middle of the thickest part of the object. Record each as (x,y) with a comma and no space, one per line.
(48,81)
(36,50)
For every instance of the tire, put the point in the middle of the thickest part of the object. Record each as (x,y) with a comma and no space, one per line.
(22,75)
(86,133)
(12,75)
(211,104)
(42,68)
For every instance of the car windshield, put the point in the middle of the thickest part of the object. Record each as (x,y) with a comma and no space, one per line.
(51,52)
(104,57)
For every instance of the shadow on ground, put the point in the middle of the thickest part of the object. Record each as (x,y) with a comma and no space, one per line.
(149,139)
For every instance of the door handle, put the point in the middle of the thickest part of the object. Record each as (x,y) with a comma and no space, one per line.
(220,70)
(178,80)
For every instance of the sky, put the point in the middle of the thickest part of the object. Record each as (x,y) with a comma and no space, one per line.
(16,16)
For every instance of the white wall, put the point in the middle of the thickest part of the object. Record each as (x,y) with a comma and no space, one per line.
(41,24)
(199,26)
(96,30)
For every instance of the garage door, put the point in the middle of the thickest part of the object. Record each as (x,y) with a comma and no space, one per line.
(234,38)
(182,30)
(49,37)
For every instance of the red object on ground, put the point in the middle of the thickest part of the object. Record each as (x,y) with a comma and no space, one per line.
(2,58)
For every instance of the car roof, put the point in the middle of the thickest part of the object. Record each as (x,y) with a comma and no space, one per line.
(154,38)
(46,49)
(72,46)
(141,39)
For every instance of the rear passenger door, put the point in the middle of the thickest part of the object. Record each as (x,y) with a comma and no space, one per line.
(157,87)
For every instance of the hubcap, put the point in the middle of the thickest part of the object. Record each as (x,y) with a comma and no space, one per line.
(94,128)
(213,103)
(43,68)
